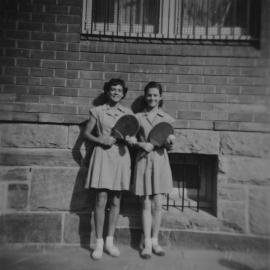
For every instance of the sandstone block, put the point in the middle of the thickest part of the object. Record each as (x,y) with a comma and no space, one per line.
(233,214)
(25,228)
(14,173)
(245,144)
(259,205)
(247,170)
(31,135)
(196,141)
(232,193)
(17,196)
(39,157)
(59,189)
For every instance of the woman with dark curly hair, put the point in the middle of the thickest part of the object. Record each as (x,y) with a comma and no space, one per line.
(109,168)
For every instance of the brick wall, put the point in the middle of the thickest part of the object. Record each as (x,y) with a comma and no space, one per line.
(50,77)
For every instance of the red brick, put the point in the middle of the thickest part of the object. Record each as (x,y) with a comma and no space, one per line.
(41,72)
(228,71)
(30,44)
(18,34)
(240,80)
(53,64)
(75,10)
(74,47)
(28,62)
(42,36)
(30,26)
(245,62)
(202,88)
(92,57)
(78,83)
(31,8)
(37,107)
(15,89)
(70,2)
(253,72)
(67,55)
(180,124)
(67,37)
(27,80)
(7,43)
(177,88)
(227,89)
(103,66)
(52,100)
(40,54)
(13,107)
(70,92)
(43,18)
(198,124)
(7,97)
(77,100)
(214,115)
(40,90)
(215,80)
(82,65)
(52,27)
(7,80)
(70,74)
(188,115)
(215,98)
(7,61)
(83,109)
(241,117)
(116,58)
(199,106)
(17,53)
(64,109)
(53,81)
(69,19)
(74,28)
(252,90)
(27,98)
(56,9)
(110,75)
(96,75)
(97,84)
(88,92)
(190,79)
(57,46)
(189,97)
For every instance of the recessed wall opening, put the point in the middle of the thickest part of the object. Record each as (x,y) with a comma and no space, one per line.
(194,182)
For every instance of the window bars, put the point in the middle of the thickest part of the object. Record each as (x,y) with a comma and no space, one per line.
(173,19)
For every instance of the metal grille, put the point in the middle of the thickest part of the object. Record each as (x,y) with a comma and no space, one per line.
(173,19)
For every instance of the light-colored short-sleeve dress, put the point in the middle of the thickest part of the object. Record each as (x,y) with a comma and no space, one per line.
(109,167)
(152,174)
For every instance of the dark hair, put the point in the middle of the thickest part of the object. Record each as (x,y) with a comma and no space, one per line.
(157,85)
(113,82)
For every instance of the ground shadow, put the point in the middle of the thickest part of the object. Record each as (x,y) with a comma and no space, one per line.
(235,265)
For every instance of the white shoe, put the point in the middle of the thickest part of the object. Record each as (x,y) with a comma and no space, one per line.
(98,252)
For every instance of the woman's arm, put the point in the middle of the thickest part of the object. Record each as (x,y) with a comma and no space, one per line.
(103,140)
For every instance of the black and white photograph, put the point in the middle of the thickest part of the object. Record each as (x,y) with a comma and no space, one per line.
(135,134)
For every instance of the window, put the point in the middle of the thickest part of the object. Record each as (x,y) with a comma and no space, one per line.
(173,19)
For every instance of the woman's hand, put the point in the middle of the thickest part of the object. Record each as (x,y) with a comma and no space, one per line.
(107,140)
(170,141)
(147,147)
(131,140)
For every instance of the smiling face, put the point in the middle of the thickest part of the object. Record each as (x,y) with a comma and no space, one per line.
(116,93)
(153,97)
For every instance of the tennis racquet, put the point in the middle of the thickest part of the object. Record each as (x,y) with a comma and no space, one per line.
(159,134)
(127,125)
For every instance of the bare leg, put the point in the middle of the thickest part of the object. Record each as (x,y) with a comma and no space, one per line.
(146,222)
(156,212)
(101,200)
(113,218)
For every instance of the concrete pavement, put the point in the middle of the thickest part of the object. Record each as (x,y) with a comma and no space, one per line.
(180,258)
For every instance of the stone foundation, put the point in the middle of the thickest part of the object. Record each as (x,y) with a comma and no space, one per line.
(43,200)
